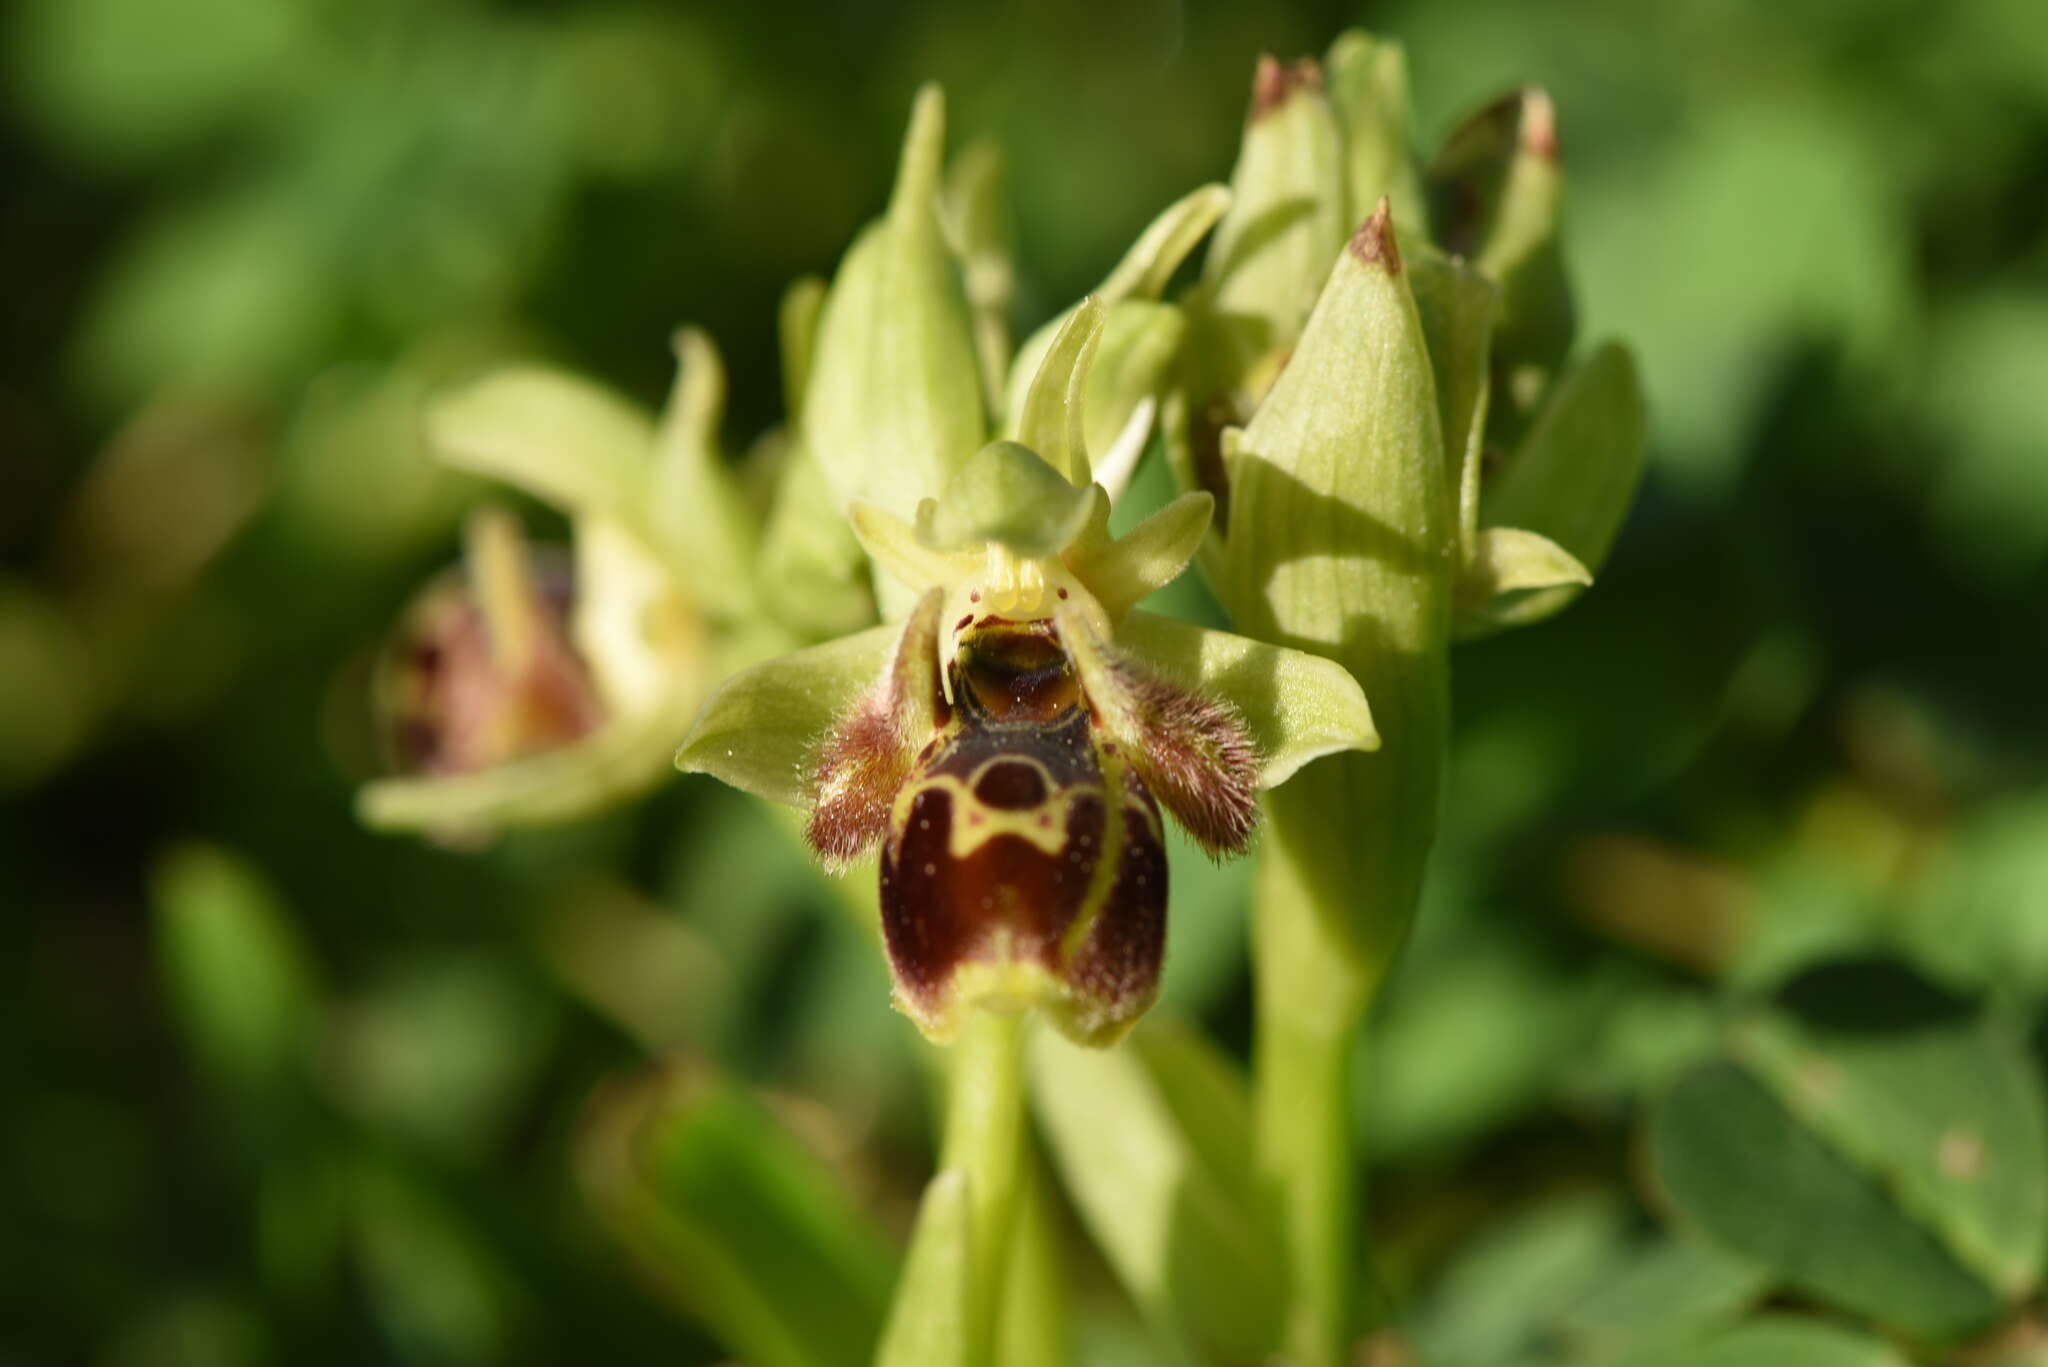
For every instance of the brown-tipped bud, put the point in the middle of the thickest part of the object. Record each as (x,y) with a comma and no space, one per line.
(1275,82)
(1374,244)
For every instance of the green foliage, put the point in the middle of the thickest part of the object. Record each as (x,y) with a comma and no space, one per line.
(627,1090)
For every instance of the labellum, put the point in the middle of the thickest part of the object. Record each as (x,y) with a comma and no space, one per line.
(1023,856)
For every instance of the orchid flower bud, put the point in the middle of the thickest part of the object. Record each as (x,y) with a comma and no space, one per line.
(537,686)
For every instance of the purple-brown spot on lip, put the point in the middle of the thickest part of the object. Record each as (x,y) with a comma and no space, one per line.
(1010,786)
(1373,243)
(1274,81)
(964,622)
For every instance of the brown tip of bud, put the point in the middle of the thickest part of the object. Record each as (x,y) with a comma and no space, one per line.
(1275,82)
(1373,243)
(1539,123)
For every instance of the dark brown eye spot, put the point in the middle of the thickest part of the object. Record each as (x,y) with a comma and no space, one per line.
(1010,786)
(1063,595)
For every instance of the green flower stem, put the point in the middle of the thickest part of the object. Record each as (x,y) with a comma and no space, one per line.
(1308,1001)
(984,1139)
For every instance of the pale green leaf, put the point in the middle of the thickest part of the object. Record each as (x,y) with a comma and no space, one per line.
(1183,1234)
(928,1323)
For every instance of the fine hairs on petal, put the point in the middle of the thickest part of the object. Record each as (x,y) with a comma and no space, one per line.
(1195,755)
(869,751)
(1192,751)
(860,766)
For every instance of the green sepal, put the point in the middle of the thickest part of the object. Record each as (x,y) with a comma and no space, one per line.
(1457,306)
(974,210)
(1122,573)
(1141,276)
(760,729)
(1296,706)
(1146,268)
(812,575)
(562,439)
(894,401)
(1515,577)
(697,509)
(1050,420)
(1575,473)
(1368,81)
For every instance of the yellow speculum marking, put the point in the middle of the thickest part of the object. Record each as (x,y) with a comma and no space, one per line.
(975,823)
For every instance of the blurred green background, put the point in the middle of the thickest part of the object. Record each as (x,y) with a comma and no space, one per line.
(276,1089)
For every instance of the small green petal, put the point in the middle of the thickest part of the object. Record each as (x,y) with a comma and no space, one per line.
(1516,577)
(1123,573)
(559,438)
(1008,495)
(1575,474)
(1051,420)
(759,730)
(899,551)
(1141,341)
(1297,706)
